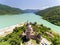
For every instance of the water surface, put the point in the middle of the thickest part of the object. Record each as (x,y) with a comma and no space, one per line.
(8,20)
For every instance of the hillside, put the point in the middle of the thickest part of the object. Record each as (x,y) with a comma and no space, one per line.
(15,38)
(30,10)
(51,14)
(9,10)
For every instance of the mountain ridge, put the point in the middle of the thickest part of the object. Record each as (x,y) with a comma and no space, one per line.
(30,10)
(51,14)
(4,9)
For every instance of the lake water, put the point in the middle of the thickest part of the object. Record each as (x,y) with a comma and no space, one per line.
(8,20)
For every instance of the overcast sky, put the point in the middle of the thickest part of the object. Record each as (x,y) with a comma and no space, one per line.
(31,4)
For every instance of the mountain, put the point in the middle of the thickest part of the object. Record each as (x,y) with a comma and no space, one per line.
(30,11)
(51,14)
(4,9)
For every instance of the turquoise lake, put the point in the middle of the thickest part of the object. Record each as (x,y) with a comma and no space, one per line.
(8,20)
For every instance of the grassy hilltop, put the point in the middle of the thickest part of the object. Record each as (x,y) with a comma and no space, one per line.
(15,37)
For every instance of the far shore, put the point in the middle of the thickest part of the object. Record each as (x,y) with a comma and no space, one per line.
(8,30)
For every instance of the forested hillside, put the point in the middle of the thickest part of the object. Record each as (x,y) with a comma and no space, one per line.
(9,10)
(51,14)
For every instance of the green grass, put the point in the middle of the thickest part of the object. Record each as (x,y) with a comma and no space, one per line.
(34,42)
(31,41)
(4,43)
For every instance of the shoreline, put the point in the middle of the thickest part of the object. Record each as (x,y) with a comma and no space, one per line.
(8,30)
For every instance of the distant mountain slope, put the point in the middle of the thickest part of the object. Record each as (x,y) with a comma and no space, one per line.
(9,10)
(30,11)
(51,14)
